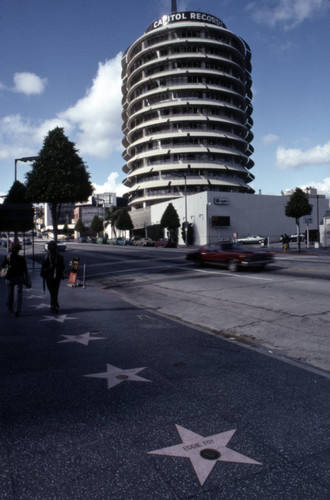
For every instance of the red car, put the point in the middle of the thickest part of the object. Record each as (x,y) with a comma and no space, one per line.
(166,243)
(230,255)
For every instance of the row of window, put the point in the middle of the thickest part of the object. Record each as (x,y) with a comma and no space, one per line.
(194,111)
(189,79)
(190,64)
(176,158)
(190,190)
(223,128)
(182,142)
(173,50)
(193,174)
(177,33)
(191,94)
(193,126)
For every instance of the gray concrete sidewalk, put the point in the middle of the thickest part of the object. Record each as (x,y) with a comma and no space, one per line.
(112,402)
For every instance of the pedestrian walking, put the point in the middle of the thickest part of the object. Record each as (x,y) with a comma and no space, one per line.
(52,270)
(285,242)
(16,276)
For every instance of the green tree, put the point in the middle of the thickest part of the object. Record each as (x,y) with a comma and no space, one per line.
(111,217)
(79,226)
(155,232)
(16,194)
(58,176)
(96,225)
(297,207)
(124,221)
(170,221)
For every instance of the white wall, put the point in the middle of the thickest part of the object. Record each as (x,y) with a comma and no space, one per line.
(249,214)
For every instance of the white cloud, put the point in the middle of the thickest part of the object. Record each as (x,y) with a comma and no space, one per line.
(295,158)
(287,13)
(97,116)
(16,137)
(322,187)
(111,185)
(94,123)
(270,139)
(29,83)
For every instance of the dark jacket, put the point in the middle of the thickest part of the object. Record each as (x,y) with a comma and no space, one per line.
(53,267)
(18,268)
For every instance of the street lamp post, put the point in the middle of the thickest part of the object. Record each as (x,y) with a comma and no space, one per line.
(207,222)
(27,159)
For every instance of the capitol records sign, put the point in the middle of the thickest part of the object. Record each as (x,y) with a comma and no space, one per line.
(221,201)
(176,17)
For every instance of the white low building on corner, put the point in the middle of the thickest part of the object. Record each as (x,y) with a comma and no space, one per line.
(226,216)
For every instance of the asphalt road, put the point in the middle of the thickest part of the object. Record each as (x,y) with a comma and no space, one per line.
(116,402)
(283,310)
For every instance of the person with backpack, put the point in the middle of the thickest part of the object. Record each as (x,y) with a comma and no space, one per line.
(52,270)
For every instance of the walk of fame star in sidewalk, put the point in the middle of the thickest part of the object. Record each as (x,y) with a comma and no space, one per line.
(83,338)
(115,375)
(204,452)
(59,319)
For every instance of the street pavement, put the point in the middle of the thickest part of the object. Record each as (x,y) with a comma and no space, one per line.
(110,401)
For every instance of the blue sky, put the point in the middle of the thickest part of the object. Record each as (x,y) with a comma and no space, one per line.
(60,66)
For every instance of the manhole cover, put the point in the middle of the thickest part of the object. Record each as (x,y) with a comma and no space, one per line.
(210,454)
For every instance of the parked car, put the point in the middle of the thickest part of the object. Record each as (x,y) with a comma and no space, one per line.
(230,255)
(122,241)
(61,246)
(252,239)
(166,243)
(294,237)
(112,241)
(144,242)
(89,239)
(81,239)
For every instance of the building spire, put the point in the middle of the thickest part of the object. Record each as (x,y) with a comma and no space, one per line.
(174,7)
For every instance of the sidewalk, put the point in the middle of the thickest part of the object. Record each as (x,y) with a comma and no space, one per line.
(108,401)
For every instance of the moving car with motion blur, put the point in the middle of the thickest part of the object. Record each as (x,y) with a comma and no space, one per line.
(231,255)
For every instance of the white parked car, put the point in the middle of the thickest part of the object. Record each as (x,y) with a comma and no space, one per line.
(252,239)
(61,246)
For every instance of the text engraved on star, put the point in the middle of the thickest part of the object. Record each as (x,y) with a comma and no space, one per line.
(204,452)
(83,338)
(115,375)
(59,319)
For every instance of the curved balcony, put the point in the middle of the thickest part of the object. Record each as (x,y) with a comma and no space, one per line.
(186,101)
